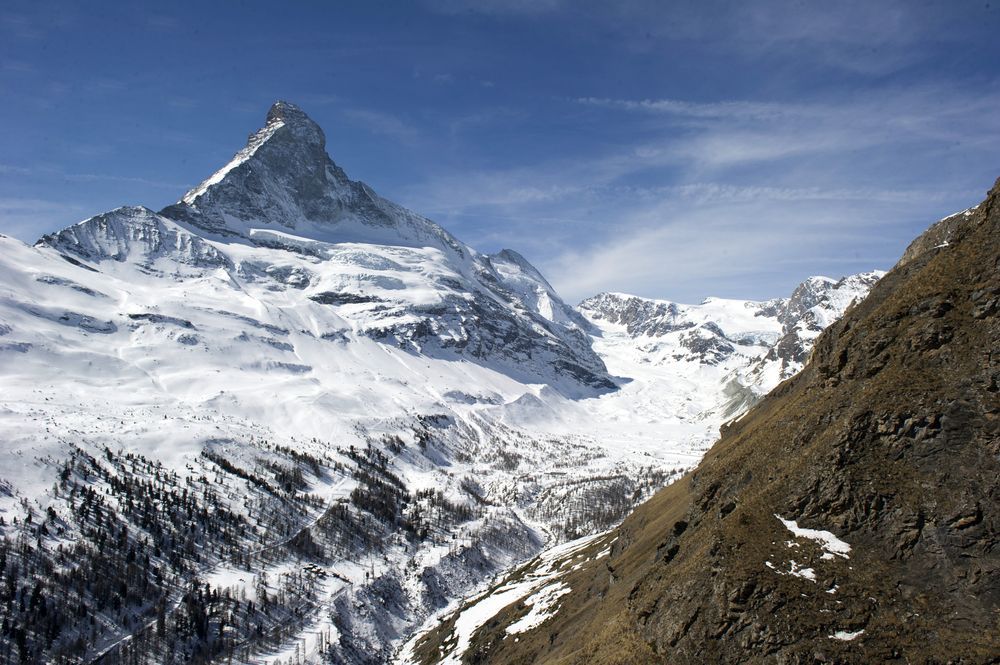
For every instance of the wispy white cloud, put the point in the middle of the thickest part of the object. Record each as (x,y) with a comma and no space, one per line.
(17,66)
(713,192)
(148,182)
(22,218)
(734,250)
(179,102)
(10,169)
(496,7)
(715,110)
(495,190)
(732,192)
(163,22)
(856,36)
(868,38)
(383,124)
(733,132)
(20,26)
(484,118)
(14,170)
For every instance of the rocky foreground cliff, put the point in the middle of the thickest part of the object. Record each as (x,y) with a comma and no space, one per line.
(851,516)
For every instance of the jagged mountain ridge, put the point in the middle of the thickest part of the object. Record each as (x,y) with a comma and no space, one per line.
(283,192)
(742,348)
(285,179)
(812,306)
(849,517)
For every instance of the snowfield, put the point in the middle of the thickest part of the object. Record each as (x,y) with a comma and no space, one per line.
(310,419)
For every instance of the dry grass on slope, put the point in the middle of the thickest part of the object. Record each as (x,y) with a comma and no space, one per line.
(890,439)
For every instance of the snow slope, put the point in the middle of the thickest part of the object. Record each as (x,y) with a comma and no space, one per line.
(319,366)
(683,370)
(303,394)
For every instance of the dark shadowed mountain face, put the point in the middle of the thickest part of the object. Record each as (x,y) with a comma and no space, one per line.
(851,516)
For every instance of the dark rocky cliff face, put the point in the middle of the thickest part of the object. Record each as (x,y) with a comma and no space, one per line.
(889,439)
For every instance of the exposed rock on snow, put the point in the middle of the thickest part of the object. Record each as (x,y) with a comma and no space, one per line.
(316,400)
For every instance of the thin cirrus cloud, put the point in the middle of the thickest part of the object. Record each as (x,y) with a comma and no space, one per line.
(27,217)
(730,132)
(745,182)
(495,7)
(867,38)
(624,145)
(22,216)
(13,170)
(727,134)
(715,110)
(383,124)
(711,249)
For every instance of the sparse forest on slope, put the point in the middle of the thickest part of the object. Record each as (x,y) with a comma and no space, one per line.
(287,419)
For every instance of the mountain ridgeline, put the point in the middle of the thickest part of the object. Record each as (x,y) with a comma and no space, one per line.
(850,517)
(259,424)
(282,191)
(287,420)
(742,347)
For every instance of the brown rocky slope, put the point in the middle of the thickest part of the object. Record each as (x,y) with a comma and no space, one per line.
(889,439)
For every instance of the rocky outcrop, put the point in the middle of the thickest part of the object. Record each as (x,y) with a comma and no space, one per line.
(284,179)
(852,516)
(814,305)
(138,234)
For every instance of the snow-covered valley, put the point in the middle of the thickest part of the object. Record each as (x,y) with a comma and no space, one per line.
(286,420)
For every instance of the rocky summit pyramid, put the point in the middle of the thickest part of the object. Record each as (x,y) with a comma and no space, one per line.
(284,180)
(393,274)
(852,516)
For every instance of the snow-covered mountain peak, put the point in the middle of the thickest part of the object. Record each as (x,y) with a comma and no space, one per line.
(136,234)
(532,290)
(510,256)
(300,142)
(746,347)
(282,224)
(284,180)
(818,301)
(300,126)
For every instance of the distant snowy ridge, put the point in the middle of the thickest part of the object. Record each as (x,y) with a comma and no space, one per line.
(746,347)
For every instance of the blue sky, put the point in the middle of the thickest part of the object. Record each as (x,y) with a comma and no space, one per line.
(669,149)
